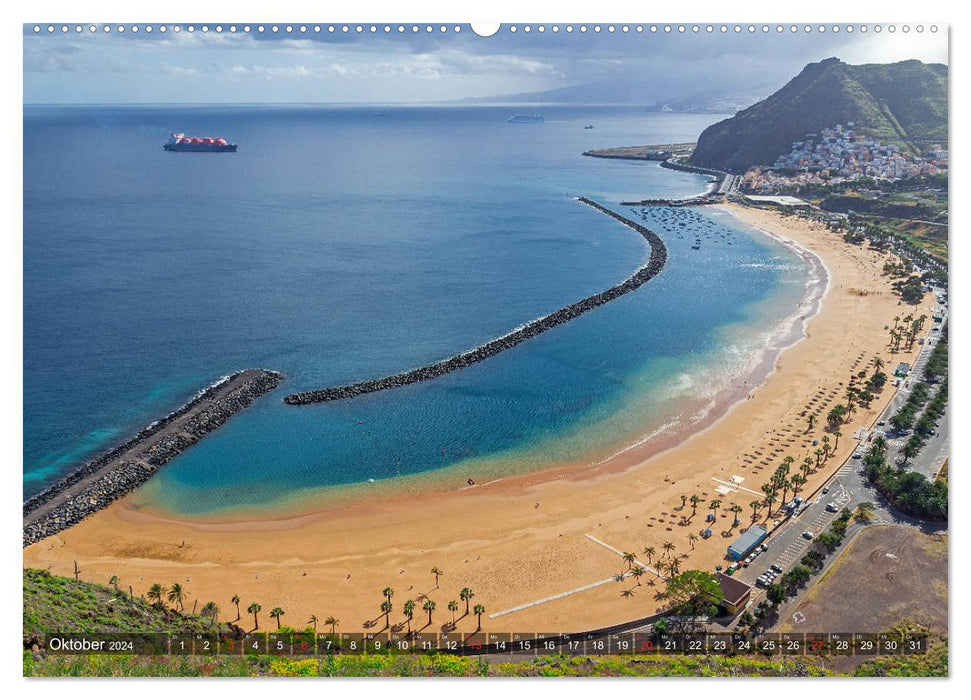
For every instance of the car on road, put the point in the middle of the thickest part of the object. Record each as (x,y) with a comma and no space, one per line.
(807,535)
(826,489)
(881,422)
(931,432)
(832,507)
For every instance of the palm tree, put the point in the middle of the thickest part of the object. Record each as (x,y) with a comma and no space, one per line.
(820,453)
(428,606)
(210,610)
(864,511)
(313,621)
(478,610)
(770,498)
(277,613)
(453,606)
(826,445)
(409,608)
(736,509)
(156,594)
(811,420)
(806,467)
(113,580)
(684,499)
(695,500)
(837,434)
(466,594)
(333,622)
(255,608)
(909,451)
(176,595)
(637,572)
(756,504)
(629,559)
(797,482)
(877,362)
(649,553)
(436,572)
(235,601)
(672,568)
(668,547)
(388,592)
(714,505)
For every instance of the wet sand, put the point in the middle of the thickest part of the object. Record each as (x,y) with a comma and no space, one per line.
(527,538)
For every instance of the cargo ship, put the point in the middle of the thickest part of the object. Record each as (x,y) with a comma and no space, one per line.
(195,144)
(527,119)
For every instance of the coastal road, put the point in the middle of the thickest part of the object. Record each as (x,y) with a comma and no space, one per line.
(849,487)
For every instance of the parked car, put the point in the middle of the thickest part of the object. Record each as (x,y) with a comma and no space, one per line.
(832,507)
(808,535)
(764,547)
(776,568)
(881,422)
(857,455)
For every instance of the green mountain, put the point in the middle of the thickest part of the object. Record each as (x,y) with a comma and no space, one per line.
(59,604)
(903,103)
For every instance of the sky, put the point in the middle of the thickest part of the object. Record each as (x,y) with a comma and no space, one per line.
(324,67)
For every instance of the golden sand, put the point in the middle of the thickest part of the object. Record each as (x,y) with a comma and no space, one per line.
(528,538)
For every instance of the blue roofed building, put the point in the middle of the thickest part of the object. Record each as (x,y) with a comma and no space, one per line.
(746,542)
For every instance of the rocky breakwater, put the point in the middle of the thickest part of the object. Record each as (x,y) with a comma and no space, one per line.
(644,273)
(126,467)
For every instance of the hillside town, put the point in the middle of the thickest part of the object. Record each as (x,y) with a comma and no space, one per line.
(840,154)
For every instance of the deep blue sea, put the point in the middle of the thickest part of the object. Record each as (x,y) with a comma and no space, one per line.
(340,244)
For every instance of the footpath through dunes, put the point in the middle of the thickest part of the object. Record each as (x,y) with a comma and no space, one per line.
(126,467)
(652,267)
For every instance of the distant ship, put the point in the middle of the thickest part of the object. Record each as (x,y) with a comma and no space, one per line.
(527,119)
(588,126)
(194,144)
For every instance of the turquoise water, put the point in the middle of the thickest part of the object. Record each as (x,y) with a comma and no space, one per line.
(339,245)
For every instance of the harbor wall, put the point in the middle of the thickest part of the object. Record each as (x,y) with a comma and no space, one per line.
(651,268)
(127,466)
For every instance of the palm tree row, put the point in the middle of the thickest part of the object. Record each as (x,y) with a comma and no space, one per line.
(429,605)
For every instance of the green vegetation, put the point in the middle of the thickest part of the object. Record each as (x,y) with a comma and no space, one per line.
(791,582)
(910,492)
(899,103)
(933,663)
(398,665)
(693,593)
(56,603)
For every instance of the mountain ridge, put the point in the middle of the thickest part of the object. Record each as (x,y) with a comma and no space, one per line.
(903,103)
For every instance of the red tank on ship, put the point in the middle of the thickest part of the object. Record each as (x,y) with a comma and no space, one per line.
(195,144)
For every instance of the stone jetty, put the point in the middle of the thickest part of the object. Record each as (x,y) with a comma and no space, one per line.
(126,467)
(651,268)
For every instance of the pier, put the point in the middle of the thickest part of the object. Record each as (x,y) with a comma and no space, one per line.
(121,470)
(644,273)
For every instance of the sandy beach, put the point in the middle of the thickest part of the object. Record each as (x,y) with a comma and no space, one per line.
(530,538)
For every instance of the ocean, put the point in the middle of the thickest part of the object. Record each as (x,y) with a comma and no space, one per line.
(343,244)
